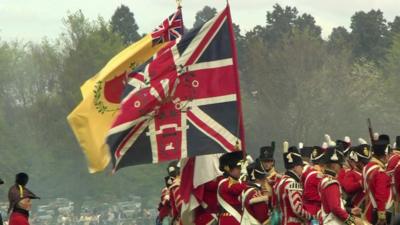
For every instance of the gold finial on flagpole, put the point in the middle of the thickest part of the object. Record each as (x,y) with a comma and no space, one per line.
(178,2)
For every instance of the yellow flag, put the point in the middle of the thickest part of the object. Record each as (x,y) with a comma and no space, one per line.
(92,118)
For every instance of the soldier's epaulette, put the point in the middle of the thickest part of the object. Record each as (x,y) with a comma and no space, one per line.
(327,181)
(320,175)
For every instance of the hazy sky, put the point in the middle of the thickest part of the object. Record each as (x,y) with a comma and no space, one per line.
(34,19)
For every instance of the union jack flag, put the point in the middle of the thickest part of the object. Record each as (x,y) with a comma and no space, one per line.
(184,102)
(170,29)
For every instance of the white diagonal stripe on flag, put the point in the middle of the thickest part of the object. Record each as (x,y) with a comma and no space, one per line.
(210,65)
(125,126)
(131,139)
(195,42)
(196,113)
(209,101)
(210,39)
(138,85)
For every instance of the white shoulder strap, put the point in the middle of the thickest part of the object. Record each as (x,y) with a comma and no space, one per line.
(227,206)
(366,173)
(247,218)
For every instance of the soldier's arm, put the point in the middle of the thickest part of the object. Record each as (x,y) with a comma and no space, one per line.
(350,184)
(259,204)
(237,188)
(296,203)
(332,194)
(381,182)
(257,197)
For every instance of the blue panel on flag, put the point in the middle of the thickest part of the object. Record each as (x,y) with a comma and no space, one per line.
(136,155)
(220,46)
(200,144)
(186,39)
(224,114)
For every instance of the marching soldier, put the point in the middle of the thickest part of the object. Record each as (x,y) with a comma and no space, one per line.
(230,189)
(174,192)
(310,179)
(164,207)
(344,146)
(377,183)
(20,201)
(333,210)
(352,182)
(289,190)
(267,159)
(255,197)
(393,170)
(268,162)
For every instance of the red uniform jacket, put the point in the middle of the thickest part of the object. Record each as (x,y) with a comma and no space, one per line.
(175,199)
(331,200)
(229,192)
(394,159)
(208,209)
(352,185)
(255,206)
(164,208)
(19,218)
(289,193)
(311,179)
(273,177)
(393,170)
(273,180)
(377,186)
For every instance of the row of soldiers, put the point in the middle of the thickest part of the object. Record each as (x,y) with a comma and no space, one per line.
(336,183)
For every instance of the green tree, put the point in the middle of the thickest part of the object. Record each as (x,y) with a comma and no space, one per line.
(204,15)
(283,21)
(306,22)
(123,22)
(395,25)
(280,22)
(369,34)
(339,40)
(392,71)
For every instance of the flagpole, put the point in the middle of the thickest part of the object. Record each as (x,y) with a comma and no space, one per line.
(241,135)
